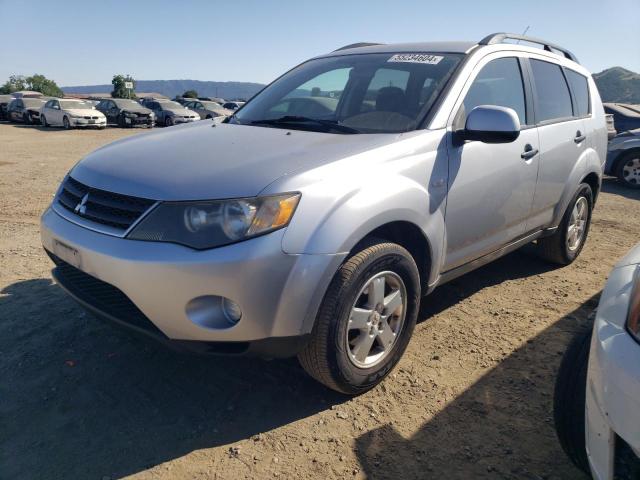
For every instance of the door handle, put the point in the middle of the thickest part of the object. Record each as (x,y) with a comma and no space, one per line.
(579,137)
(529,152)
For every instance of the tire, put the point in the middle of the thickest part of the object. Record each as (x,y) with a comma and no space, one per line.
(43,121)
(121,122)
(209,117)
(26,119)
(168,122)
(555,248)
(627,168)
(65,123)
(569,400)
(328,357)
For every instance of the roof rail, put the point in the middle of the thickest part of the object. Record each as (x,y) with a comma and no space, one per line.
(357,45)
(500,37)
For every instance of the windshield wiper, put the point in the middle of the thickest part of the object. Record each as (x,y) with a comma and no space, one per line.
(289,119)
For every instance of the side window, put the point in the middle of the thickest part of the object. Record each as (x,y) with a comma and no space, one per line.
(49,104)
(553,98)
(498,83)
(580,89)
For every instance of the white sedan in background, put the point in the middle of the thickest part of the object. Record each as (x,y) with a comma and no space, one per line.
(71,113)
(597,397)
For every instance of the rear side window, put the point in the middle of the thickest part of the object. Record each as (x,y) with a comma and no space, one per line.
(552,92)
(580,89)
(498,83)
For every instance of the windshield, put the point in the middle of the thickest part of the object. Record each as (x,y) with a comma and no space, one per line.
(32,102)
(171,105)
(369,93)
(212,105)
(126,103)
(75,105)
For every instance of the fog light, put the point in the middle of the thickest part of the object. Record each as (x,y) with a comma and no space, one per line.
(231,310)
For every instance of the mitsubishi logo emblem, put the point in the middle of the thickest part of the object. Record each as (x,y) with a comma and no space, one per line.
(81,208)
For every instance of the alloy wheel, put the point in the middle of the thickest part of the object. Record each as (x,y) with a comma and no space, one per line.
(577,224)
(376,319)
(631,171)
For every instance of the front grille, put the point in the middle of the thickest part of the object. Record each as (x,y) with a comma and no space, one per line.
(106,208)
(102,296)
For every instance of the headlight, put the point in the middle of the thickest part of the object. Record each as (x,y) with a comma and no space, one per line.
(202,225)
(633,317)
(130,114)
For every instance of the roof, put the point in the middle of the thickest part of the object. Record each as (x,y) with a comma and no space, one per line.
(436,47)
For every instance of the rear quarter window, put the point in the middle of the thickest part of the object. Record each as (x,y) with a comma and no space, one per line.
(580,89)
(553,101)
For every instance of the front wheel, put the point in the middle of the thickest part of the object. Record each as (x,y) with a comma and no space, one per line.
(564,246)
(366,319)
(26,119)
(168,121)
(43,121)
(66,123)
(628,169)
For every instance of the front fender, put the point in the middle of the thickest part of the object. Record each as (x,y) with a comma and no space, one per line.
(347,201)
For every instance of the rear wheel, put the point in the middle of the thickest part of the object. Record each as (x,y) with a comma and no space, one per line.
(569,400)
(366,319)
(628,169)
(564,246)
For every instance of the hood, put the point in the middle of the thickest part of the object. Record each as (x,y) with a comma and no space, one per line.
(135,109)
(83,112)
(179,111)
(200,162)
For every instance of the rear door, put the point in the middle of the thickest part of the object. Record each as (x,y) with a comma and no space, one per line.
(491,186)
(562,133)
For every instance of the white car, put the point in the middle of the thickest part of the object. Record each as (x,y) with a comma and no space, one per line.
(597,397)
(71,113)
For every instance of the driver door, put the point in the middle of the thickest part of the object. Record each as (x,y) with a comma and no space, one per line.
(491,186)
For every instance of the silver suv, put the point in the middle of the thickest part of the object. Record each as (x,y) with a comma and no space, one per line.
(313,220)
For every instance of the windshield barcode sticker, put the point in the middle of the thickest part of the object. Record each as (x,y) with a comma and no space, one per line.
(416,58)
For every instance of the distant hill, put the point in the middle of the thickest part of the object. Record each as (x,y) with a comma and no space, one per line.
(617,84)
(171,88)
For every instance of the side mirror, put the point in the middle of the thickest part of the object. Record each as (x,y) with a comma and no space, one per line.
(492,124)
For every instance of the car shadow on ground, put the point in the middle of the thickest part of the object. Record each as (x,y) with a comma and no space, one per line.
(490,430)
(612,185)
(83,400)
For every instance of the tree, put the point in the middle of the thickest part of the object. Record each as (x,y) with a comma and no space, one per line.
(190,94)
(40,83)
(119,89)
(14,84)
(36,82)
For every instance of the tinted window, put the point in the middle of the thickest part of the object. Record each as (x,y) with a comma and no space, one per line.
(498,83)
(554,100)
(580,89)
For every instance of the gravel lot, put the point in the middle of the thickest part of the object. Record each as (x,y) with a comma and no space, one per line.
(471,398)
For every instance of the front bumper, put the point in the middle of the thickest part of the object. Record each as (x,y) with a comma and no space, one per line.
(178,120)
(84,122)
(278,293)
(134,121)
(613,380)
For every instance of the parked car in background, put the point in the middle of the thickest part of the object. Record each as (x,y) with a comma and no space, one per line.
(316,235)
(126,113)
(597,394)
(611,127)
(27,94)
(169,113)
(233,105)
(183,100)
(71,113)
(625,116)
(623,158)
(207,109)
(25,110)
(5,100)
(218,100)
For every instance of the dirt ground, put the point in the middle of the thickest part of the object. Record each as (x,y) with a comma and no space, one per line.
(471,398)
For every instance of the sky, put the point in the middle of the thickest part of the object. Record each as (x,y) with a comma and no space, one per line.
(79,42)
